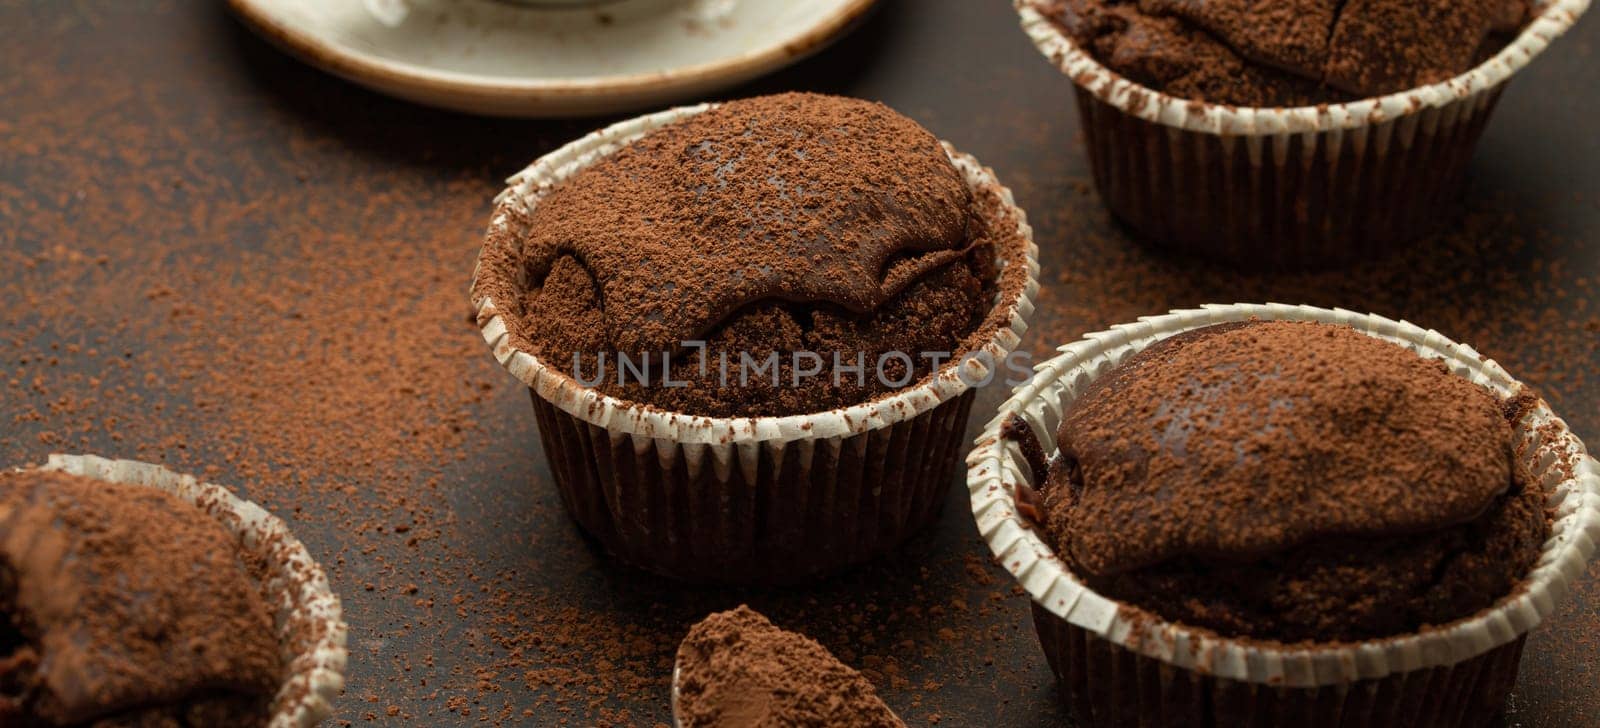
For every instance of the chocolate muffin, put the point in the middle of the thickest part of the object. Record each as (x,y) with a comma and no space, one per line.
(1292,482)
(737,670)
(765,257)
(125,606)
(1273,53)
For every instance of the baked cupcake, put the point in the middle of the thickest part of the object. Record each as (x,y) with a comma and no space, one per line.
(1287,133)
(146,604)
(1292,482)
(1275,515)
(753,330)
(736,669)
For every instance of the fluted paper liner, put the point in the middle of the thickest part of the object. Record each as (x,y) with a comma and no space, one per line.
(310,626)
(1286,186)
(747,499)
(1125,665)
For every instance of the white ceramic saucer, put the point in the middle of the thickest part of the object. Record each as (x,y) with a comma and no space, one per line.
(550,58)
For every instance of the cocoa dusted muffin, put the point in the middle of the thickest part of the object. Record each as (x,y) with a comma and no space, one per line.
(125,606)
(730,242)
(1292,482)
(1288,52)
(738,670)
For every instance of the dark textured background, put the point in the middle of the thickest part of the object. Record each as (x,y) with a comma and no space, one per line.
(129,95)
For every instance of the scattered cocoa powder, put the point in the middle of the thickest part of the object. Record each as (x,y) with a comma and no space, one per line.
(250,311)
(215,173)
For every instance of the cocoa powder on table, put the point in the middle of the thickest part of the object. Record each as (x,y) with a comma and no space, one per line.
(205,188)
(368,490)
(315,354)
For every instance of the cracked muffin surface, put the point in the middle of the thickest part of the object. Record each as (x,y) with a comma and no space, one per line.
(736,239)
(1275,53)
(1292,482)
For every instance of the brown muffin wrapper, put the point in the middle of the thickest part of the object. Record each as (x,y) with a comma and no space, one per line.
(1122,666)
(1107,685)
(759,500)
(1286,187)
(1320,198)
(812,507)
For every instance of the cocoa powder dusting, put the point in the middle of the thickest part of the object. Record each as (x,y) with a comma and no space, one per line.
(796,197)
(1287,52)
(738,670)
(1293,482)
(204,194)
(1237,440)
(766,227)
(127,605)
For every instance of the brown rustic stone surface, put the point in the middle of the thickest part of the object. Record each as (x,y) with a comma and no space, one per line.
(179,203)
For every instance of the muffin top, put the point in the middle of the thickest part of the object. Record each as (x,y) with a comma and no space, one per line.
(774,225)
(1288,52)
(1249,476)
(740,671)
(126,605)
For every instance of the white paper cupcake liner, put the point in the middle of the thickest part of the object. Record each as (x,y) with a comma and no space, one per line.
(748,499)
(1131,667)
(1286,186)
(311,630)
